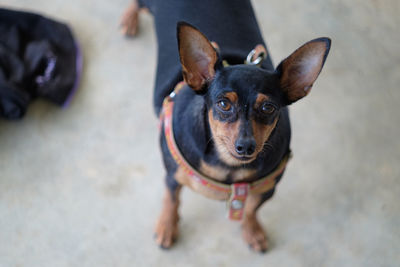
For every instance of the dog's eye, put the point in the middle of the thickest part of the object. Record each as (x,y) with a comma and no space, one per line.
(224,105)
(267,108)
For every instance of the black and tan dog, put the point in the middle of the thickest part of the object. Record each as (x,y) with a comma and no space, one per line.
(225,129)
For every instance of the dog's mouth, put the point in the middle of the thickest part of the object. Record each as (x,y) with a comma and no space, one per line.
(243,159)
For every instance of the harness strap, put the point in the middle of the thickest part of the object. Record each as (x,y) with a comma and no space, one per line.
(235,194)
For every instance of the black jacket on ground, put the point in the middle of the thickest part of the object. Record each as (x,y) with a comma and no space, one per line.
(38,58)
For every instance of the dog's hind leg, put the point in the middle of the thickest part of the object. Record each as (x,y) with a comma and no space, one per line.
(130,19)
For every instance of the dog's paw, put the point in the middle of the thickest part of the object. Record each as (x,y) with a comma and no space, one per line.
(166,232)
(130,20)
(254,235)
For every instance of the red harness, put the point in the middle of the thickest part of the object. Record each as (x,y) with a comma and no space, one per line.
(236,194)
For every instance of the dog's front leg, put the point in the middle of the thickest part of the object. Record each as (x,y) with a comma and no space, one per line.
(252,232)
(166,231)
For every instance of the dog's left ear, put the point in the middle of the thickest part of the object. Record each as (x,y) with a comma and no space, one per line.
(198,56)
(299,71)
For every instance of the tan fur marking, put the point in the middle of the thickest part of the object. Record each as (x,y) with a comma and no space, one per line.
(214,172)
(252,231)
(232,96)
(183,178)
(251,204)
(130,19)
(167,225)
(220,173)
(261,133)
(224,136)
(242,175)
(261,98)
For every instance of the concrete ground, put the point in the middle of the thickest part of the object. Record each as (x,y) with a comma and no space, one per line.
(82,186)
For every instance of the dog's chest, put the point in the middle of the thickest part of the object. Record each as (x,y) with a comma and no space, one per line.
(224,174)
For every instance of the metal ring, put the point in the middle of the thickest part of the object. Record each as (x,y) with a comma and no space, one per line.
(250,61)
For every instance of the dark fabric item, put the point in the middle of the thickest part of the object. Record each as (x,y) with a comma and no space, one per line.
(230,23)
(38,58)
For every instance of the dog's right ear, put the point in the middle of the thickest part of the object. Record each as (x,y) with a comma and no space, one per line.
(198,56)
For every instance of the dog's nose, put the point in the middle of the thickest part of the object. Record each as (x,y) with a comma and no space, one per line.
(245,146)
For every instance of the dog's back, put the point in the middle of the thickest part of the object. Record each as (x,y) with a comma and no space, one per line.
(230,23)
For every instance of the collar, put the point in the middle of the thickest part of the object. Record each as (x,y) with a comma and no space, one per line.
(235,194)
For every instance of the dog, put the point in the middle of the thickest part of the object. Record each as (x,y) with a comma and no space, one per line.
(225,129)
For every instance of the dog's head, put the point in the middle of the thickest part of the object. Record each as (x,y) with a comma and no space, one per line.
(244,101)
